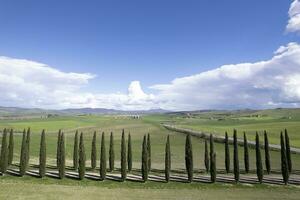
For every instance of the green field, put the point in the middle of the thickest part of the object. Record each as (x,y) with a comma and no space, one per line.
(217,122)
(26,187)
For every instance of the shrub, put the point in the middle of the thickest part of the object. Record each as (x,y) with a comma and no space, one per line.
(23,155)
(259,168)
(94,152)
(103,159)
(129,153)
(28,147)
(288,151)
(123,157)
(227,154)
(145,160)
(149,151)
(11,147)
(236,166)
(189,158)
(267,153)
(284,163)
(62,157)
(246,153)
(81,168)
(75,151)
(213,168)
(42,166)
(4,153)
(206,157)
(111,153)
(167,160)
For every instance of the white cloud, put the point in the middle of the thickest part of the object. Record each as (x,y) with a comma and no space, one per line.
(294,17)
(264,84)
(27,83)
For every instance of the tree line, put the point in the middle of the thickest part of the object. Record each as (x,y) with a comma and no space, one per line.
(79,155)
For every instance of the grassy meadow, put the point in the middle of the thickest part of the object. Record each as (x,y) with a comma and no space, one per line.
(13,187)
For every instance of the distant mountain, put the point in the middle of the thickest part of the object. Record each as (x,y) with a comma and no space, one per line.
(16,111)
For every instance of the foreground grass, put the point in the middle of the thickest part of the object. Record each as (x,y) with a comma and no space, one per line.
(47,188)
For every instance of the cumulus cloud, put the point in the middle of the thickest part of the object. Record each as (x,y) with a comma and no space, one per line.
(31,84)
(264,84)
(294,17)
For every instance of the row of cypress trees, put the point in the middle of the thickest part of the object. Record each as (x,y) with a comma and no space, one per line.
(126,164)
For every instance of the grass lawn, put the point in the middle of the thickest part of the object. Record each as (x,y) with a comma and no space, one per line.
(30,187)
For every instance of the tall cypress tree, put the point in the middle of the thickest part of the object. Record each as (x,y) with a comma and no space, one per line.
(236,166)
(103,159)
(206,157)
(284,162)
(288,151)
(75,151)
(94,152)
(189,158)
(145,160)
(259,167)
(123,157)
(167,160)
(11,147)
(42,166)
(246,153)
(4,153)
(62,157)
(111,153)
(213,168)
(212,151)
(267,153)
(227,154)
(58,149)
(28,147)
(149,151)
(23,155)
(129,153)
(81,168)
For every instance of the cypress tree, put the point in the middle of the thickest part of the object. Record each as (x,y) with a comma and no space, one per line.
(246,154)
(94,152)
(129,154)
(149,151)
(111,153)
(4,153)
(212,151)
(145,160)
(58,149)
(236,166)
(23,155)
(288,151)
(227,154)
(81,168)
(213,168)
(123,157)
(167,160)
(11,147)
(103,159)
(42,166)
(189,158)
(259,167)
(206,157)
(62,156)
(28,147)
(284,163)
(267,153)
(75,151)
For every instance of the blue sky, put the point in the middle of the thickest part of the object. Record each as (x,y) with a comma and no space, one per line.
(153,42)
